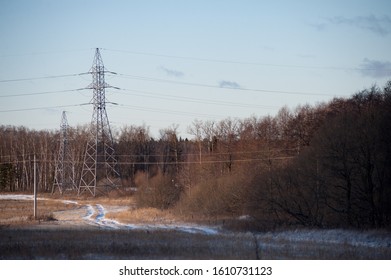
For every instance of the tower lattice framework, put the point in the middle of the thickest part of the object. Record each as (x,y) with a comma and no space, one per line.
(64,177)
(99,172)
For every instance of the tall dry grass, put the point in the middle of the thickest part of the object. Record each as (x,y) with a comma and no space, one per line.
(161,191)
(216,197)
(22,211)
(144,215)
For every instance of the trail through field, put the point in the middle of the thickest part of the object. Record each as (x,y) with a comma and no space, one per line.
(88,214)
(93,215)
(96,216)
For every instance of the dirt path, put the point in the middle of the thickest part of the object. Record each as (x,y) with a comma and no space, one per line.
(96,217)
(86,223)
(89,214)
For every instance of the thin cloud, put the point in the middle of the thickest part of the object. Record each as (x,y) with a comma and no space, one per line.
(375,68)
(378,25)
(229,84)
(318,26)
(172,72)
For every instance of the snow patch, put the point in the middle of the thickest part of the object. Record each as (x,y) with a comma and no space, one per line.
(101,221)
(90,212)
(178,227)
(244,218)
(31,197)
(334,236)
(17,197)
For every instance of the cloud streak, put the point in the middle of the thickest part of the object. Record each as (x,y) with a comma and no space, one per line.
(378,25)
(229,84)
(375,68)
(172,72)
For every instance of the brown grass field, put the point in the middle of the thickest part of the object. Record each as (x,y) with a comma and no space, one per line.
(23,237)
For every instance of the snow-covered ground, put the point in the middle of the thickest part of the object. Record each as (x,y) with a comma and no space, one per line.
(30,197)
(95,215)
(17,197)
(371,238)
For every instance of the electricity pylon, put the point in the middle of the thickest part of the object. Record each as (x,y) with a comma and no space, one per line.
(100,165)
(64,177)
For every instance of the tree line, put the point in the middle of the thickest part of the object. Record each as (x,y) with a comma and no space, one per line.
(327,165)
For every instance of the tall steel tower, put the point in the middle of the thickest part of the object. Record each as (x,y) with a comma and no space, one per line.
(64,177)
(99,171)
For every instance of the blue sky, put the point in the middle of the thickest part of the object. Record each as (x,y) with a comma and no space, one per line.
(178,61)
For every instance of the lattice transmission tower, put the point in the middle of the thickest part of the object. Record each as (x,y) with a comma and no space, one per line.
(64,177)
(99,172)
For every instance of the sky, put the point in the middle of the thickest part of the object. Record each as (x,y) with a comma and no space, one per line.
(178,61)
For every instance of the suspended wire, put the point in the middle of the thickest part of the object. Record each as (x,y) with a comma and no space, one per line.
(211,154)
(45,53)
(207,161)
(214,153)
(191,99)
(200,59)
(41,93)
(41,78)
(154,110)
(166,162)
(239,62)
(43,108)
(150,79)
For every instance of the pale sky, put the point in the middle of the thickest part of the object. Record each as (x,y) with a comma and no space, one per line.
(178,61)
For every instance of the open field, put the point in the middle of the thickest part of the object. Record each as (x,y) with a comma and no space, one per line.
(93,243)
(104,228)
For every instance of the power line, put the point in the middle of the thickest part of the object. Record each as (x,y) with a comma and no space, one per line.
(171,162)
(40,93)
(193,100)
(154,110)
(212,154)
(208,161)
(41,78)
(43,108)
(44,53)
(150,79)
(239,62)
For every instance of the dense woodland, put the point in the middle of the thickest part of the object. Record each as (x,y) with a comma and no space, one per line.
(327,165)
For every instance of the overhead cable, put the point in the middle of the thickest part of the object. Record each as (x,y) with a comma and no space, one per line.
(43,108)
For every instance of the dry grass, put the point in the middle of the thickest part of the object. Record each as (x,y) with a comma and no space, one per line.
(21,211)
(107,201)
(109,244)
(311,250)
(143,215)
(151,215)
(87,243)
(48,240)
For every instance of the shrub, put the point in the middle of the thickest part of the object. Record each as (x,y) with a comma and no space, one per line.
(160,191)
(217,196)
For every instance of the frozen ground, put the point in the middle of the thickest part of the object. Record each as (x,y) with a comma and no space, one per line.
(291,244)
(371,238)
(95,215)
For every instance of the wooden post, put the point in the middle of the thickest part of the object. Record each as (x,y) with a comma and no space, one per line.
(35,188)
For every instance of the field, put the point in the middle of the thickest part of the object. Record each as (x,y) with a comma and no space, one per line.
(102,228)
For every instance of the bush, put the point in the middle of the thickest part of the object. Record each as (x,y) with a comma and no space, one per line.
(217,196)
(160,191)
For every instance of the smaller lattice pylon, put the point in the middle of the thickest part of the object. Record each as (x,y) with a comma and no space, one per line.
(64,177)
